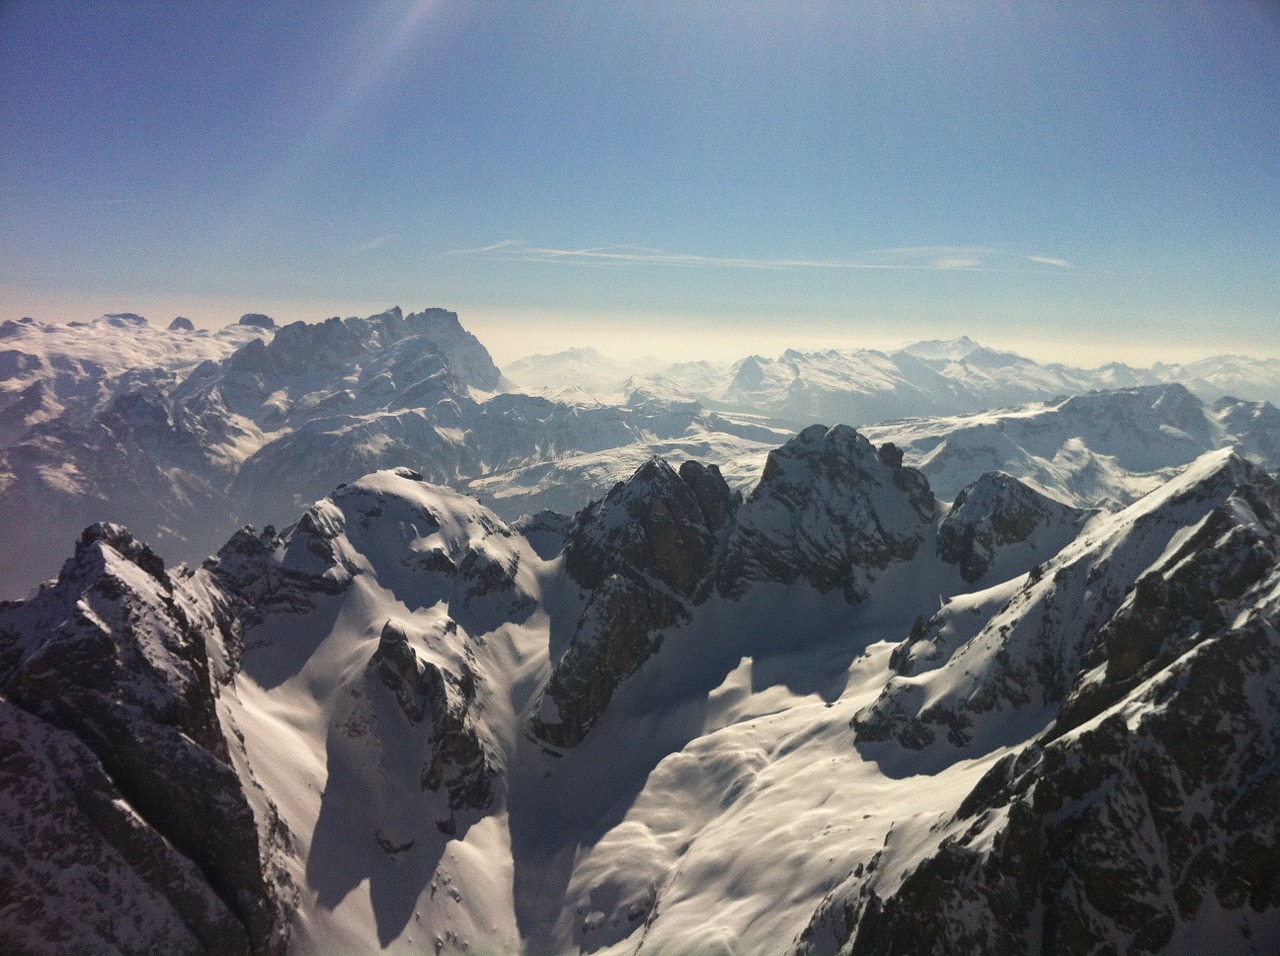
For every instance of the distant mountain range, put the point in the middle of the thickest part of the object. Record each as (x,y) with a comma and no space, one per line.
(184,436)
(864,386)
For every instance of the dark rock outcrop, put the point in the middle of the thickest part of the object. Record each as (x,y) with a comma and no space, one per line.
(459,760)
(80,871)
(118,655)
(830,509)
(646,553)
(1111,836)
(997,511)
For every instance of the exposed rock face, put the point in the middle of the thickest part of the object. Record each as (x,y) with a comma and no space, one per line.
(80,871)
(1109,837)
(1177,603)
(459,759)
(997,511)
(652,525)
(828,509)
(118,655)
(646,553)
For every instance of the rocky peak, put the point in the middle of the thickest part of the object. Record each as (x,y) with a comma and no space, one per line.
(828,508)
(97,538)
(998,511)
(118,654)
(646,552)
(717,502)
(468,358)
(658,524)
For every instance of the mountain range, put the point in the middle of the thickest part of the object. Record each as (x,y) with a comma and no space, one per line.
(865,386)
(834,716)
(996,681)
(185,435)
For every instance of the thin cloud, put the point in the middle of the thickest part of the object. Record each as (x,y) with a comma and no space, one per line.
(1050,261)
(957,262)
(375,244)
(922,258)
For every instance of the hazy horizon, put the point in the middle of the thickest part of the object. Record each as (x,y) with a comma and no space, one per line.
(676,339)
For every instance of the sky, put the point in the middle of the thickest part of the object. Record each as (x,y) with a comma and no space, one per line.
(1081,182)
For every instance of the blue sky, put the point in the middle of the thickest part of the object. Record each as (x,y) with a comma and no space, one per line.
(1080,181)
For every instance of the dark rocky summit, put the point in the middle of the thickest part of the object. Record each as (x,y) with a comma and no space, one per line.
(644,554)
(117,655)
(997,511)
(829,508)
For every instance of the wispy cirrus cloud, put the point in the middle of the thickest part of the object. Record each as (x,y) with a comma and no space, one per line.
(917,258)
(375,244)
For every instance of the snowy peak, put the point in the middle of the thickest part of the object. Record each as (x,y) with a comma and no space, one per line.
(949,350)
(998,512)
(828,508)
(1101,448)
(582,368)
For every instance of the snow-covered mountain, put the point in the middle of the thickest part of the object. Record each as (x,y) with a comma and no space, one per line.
(582,368)
(865,386)
(1097,449)
(831,715)
(184,436)
(51,369)
(1254,378)
(188,451)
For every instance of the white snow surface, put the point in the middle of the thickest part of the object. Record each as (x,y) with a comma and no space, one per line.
(77,367)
